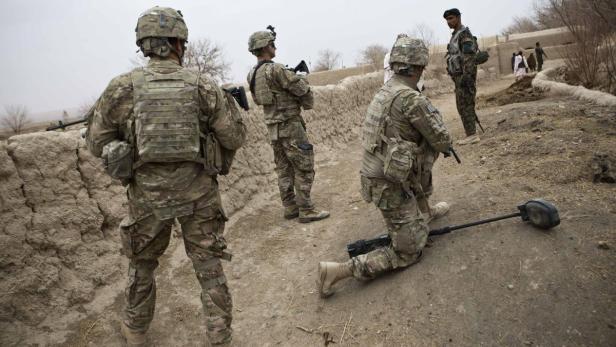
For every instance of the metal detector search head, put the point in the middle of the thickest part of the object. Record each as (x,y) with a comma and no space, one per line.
(540,214)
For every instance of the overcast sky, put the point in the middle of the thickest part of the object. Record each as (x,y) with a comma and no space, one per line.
(62,53)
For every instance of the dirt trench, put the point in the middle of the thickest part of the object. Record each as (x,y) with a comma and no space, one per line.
(503,284)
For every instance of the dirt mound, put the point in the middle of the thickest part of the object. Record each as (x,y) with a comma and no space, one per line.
(520,91)
(554,140)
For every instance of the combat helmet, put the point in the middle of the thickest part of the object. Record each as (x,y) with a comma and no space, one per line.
(407,52)
(261,39)
(155,26)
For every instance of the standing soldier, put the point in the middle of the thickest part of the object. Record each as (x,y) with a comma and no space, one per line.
(462,68)
(403,135)
(539,53)
(152,127)
(283,94)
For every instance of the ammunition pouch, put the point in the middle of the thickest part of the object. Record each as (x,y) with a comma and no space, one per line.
(217,159)
(398,159)
(454,65)
(118,159)
(481,57)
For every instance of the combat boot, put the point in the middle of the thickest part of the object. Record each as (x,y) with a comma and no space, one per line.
(291,212)
(469,140)
(133,337)
(330,273)
(437,211)
(307,216)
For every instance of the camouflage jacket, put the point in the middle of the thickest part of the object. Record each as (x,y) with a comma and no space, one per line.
(461,50)
(280,91)
(160,185)
(414,119)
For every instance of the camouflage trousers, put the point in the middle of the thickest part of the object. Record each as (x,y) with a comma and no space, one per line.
(144,240)
(405,226)
(465,101)
(294,159)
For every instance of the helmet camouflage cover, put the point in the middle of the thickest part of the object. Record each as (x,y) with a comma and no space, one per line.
(409,51)
(259,40)
(161,22)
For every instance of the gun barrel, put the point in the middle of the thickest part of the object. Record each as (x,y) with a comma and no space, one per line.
(62,125)
(455,155)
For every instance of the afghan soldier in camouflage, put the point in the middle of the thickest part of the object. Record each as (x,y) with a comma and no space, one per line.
(283,94)
(403,135)
(161,113)
(462,68)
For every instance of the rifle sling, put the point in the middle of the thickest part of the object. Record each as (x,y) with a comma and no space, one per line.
(252,80)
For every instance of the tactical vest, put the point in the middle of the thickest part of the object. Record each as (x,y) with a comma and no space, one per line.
(278,104)
(166,116)
(454,54)
(260,90)
(378,111)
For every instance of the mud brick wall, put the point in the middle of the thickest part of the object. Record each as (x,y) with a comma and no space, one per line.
(59,211)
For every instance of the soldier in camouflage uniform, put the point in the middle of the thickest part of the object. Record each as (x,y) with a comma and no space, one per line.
(158,116)
(403,135)
(462,68)
(283,94)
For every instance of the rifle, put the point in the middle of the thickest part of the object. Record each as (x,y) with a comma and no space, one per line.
(239,94)
(301,67)
(479,123)
(451,151)
(539,213)
(62,125)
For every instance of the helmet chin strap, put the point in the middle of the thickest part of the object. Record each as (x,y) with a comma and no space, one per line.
(177,53)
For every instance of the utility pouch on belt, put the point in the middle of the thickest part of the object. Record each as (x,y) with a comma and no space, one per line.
(217,159)
(212,155)
(398,159)
(118,159)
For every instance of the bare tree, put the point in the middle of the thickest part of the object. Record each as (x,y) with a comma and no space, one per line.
(208,58)
(327,60)
(423,32)
(15,118)
(373,55)
(521,25)
(593,26)
(85,107)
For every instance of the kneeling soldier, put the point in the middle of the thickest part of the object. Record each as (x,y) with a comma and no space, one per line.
(403,135)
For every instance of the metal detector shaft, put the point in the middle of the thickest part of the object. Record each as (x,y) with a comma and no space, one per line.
(448,229)
(537,212)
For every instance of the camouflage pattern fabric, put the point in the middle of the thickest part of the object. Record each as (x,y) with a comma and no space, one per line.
(281,92)
(465,101)
(413,118)
(462,50)
(405,226)
(293,153)
(158,193)
(260,39)
(294,159)
(409,51)
(145,240)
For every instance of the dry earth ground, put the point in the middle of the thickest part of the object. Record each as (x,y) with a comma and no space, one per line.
(502,284)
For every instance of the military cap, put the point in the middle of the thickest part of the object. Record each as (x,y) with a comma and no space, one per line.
(451,12)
